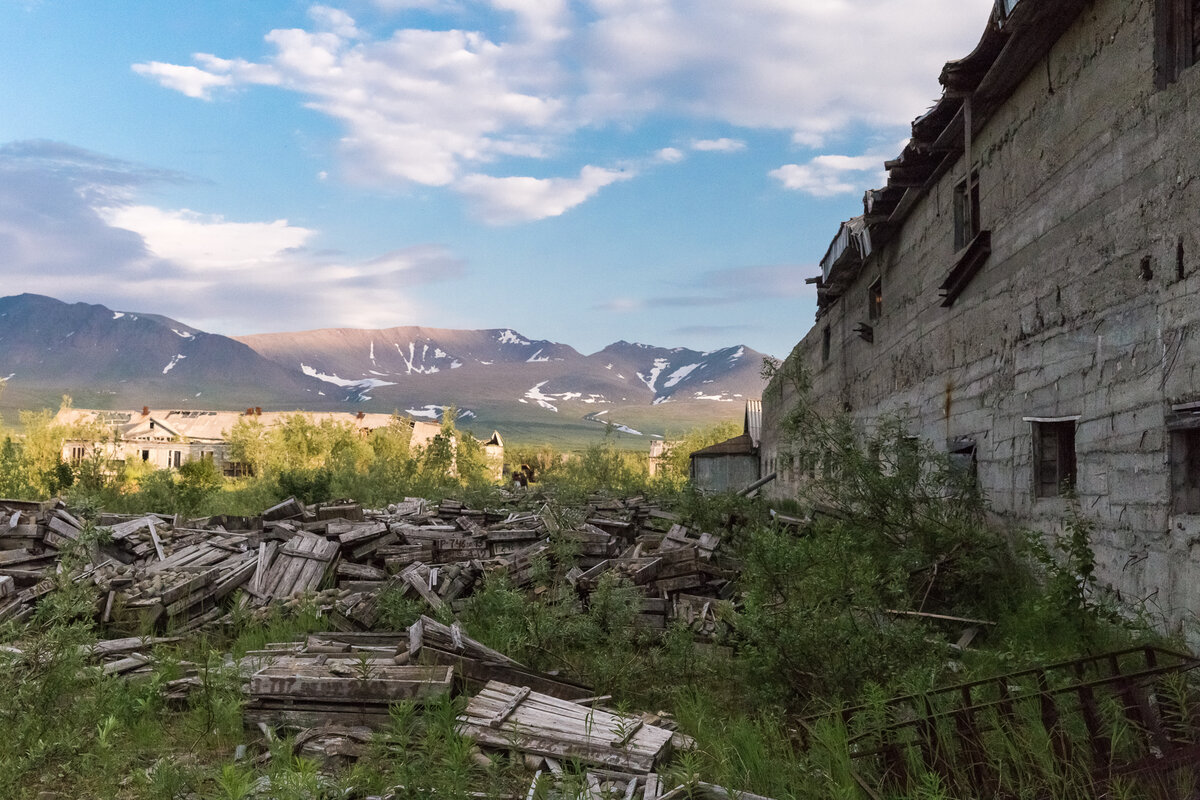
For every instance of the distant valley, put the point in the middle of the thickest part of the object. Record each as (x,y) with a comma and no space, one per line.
(531,390)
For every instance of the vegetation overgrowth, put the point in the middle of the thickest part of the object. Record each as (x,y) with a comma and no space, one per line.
(831,613)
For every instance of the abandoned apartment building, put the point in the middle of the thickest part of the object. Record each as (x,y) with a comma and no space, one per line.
(169,439)
(1023,291)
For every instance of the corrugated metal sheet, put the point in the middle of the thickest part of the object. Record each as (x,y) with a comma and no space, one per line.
(753,425)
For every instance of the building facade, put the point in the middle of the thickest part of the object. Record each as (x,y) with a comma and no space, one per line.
(1025,291)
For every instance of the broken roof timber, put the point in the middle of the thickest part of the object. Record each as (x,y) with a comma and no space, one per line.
(1019,33)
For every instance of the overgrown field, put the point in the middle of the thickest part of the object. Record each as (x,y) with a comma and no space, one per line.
(863,594)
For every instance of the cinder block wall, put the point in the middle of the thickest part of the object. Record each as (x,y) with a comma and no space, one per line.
(1087,170)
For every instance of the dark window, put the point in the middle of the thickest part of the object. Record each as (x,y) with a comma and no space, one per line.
(1185,471)
(176,458)
(77,455)
(145,455)
(825,342)
(966,212)
(1176,39)
(964,461)
(908,458)
(875,301)
(1054,458)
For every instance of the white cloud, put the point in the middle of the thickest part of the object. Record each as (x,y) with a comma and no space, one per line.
(722,145)
(438,106)
(206,242)
(335,21)
(503,201)
(830,175)
(776,64)
(669,155)
(222,275)
(417,106)
(191,81)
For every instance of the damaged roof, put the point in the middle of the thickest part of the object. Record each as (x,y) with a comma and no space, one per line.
(1018,34)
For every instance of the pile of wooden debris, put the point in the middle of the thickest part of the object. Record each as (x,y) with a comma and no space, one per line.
(158,574)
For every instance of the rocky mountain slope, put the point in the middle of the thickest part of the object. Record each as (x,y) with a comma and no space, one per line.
(113,358)
(81,349)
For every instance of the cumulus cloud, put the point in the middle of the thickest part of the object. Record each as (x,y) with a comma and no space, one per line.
(70,228)
(417,107)
(775,64)
(721,145)
(440,106)
(503,201)
(191,81)
(831,175)
(669,155)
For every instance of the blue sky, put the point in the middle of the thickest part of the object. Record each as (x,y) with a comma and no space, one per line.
(663,171)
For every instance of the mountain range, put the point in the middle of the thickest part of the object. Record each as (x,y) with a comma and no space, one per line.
(539,390)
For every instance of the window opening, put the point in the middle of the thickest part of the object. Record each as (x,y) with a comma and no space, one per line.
(1176,39)
(1054,458)
(875,300)
(966,211)
(1185,471)
(826,339)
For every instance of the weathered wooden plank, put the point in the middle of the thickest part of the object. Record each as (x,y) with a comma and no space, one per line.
(378,684)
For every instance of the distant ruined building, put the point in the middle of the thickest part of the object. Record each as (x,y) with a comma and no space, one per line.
(170,438)
(1024,291)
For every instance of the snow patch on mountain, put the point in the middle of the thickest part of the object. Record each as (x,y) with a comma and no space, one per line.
(533,359)
(535,394)
(362,383)
(679,374)
(410,360)
(436,412)
(508,337)
(178,357)
(650,380)
(118,314)
(182,334)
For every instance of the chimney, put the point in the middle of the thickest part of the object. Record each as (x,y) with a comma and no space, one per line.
(258,411)
(361,416)
(249,412)
(145,411)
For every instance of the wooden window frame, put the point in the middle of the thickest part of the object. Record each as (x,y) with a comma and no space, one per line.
(966,211)
(1055,464)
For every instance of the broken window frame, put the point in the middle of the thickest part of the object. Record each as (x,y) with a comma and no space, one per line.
(963,456)
(1055,462)
(1176,39)
(875,301)
(1183,451)
(966,211)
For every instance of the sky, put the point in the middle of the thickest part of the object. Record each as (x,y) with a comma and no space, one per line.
(661,171)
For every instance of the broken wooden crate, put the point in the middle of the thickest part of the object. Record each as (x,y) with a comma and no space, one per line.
(307,691)
(509,717)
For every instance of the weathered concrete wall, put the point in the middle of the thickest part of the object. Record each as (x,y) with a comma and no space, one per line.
(724,473)
(1084,172)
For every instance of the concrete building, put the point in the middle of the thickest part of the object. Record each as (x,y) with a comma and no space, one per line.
(1025,288)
